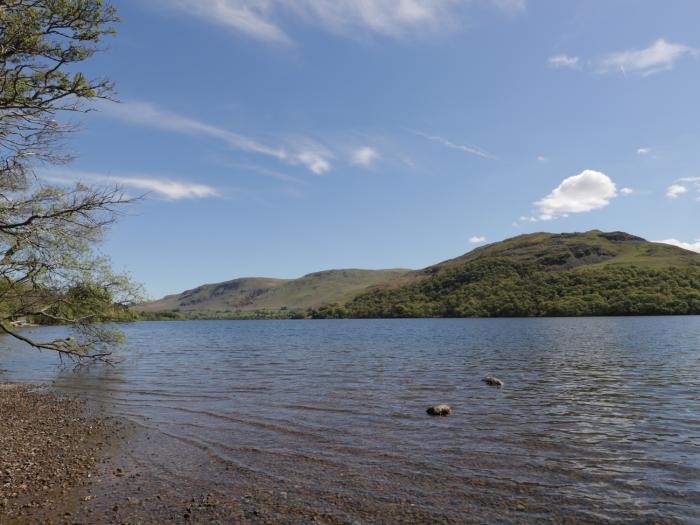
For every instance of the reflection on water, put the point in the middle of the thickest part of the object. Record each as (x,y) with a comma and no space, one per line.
(599,416)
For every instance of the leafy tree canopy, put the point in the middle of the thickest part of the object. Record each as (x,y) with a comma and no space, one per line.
(50,270)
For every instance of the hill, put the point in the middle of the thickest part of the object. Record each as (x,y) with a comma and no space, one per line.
(542,274)
(256,293)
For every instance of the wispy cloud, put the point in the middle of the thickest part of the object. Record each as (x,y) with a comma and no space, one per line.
(660,56)
(674,190)
(559,61)
(692,246)
(477,239)
(250,18)
(682,186)
(643,151)
(147,114)
(302,151)
(364,156)
(264,20)
(587,191)
(466,148)
(512,6)
(167,188)
(626,191)
(258,170)
(315,161)
(542,158)
(314,156)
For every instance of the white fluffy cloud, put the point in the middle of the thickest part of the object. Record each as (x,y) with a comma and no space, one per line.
(674,190)
(167,188)
(682,186)
(692,246)
(476,239)
(660,56)
(364,156)
(558,61)
(589,190)
(264,19)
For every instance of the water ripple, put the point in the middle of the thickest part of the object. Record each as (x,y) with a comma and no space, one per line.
(601,415)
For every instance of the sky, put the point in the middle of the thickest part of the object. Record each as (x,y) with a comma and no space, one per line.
(282,137)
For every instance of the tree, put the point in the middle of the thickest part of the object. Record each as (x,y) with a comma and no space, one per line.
(49,267)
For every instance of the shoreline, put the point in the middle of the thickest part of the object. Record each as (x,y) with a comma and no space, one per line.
(60,464)
(50,445)
(68,466)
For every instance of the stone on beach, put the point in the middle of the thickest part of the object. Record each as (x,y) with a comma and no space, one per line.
(492,381)
(439,410)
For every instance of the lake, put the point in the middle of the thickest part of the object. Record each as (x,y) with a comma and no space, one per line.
(599,418)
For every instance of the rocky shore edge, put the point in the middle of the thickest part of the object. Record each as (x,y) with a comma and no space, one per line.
(62,465)
(49,446)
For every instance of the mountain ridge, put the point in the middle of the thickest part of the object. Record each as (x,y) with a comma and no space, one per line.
(543,274)
(311,290)
(579,268)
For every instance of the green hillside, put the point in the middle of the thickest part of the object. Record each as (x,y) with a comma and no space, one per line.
(253,293)
(542,274)
(230,295)
(317,289)
(570,250)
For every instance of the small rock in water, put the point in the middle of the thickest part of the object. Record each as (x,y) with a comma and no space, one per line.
(439,410)
(493,381)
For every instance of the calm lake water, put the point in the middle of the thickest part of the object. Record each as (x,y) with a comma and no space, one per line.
(599,418)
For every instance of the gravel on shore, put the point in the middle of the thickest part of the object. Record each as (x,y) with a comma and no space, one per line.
(48,446)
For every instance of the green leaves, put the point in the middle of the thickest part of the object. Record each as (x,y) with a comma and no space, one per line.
(40,42)
(500,288)
(49,269)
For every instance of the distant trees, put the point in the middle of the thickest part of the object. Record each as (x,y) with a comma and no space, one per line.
(49,270)
(501,288)
(243,315)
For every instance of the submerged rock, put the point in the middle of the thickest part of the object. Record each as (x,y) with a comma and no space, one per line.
(492,381)
(439,410)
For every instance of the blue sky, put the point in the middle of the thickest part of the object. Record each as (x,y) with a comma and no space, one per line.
(277,138)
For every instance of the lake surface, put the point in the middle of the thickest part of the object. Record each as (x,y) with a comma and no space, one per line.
(599,418)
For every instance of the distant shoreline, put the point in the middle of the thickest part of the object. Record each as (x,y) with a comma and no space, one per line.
(155,318)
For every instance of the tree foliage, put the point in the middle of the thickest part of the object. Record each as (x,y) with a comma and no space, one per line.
(497,287)
(49,268)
